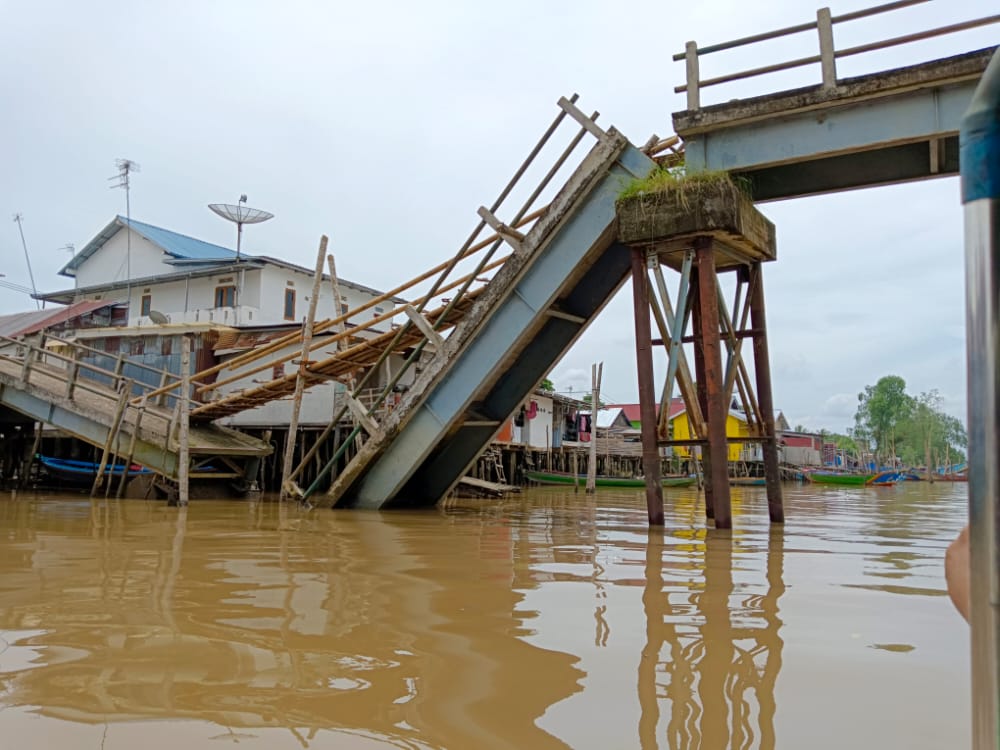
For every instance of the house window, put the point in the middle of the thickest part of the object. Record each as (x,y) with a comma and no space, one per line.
(146,304)
(289,304)
(344,308)
(225,296)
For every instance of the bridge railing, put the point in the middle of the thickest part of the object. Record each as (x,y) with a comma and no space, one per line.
(79,374)
(827,55)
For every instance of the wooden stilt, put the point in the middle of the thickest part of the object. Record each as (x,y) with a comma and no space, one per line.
(596,373)
(131,446)
(307,333)
(184,417)
(113,428)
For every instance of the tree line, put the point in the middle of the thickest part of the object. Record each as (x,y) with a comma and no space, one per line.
(901,428)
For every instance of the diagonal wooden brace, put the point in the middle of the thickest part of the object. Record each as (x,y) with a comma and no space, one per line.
(361,414)
(577,114)
(511,236)
(424,326)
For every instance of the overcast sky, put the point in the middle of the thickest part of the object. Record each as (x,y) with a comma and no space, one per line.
(385,125)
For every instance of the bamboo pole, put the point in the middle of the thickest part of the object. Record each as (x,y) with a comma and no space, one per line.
(131,446)
(307,334)
(338,337)
(292,338)
(26,462)
(596,372)
(116,421)
(183,452)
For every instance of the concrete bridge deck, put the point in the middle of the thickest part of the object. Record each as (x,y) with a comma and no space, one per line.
(98,407)
(881,128)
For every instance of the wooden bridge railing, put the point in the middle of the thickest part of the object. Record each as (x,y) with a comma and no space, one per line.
(828,53)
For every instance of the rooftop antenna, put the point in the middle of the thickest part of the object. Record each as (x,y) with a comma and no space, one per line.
(125,169)
(70,248)
(18,218)
(240,214)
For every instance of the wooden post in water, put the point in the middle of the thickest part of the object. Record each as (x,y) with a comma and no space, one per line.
(596,372)
(184,407)
(131,446)
(307,332)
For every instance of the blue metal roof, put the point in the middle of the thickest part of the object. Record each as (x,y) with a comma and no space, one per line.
(176,245)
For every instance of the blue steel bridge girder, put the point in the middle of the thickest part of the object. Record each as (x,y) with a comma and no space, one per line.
(571,263)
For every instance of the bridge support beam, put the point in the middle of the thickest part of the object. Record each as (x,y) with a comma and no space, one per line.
(711,389)
(715,225)
(647,393)
(762,368)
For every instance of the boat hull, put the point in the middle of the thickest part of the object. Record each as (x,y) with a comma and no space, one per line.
(558,478)
(83,473)
(845,480)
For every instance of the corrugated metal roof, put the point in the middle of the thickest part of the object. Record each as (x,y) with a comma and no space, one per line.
(22,324)
(172,243)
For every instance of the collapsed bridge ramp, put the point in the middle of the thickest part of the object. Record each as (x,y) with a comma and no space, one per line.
(51,380)
(559,276)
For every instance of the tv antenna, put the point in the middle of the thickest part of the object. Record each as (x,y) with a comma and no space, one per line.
(70,248)
(240,214)
(18,218)
(125,169)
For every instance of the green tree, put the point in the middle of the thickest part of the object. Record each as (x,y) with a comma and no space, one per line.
(930,435)
(882,409)
(546,385)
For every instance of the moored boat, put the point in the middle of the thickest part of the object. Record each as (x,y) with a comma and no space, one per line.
(558,477)
(848,480)
(71,471)
(747,481)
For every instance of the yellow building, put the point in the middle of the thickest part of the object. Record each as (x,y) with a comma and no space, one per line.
(736,426)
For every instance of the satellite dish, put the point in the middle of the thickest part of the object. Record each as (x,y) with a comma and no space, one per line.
(159,318)
(240,214)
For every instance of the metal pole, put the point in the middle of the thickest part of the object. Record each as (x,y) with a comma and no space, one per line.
(647,393)
(717,410)
(762,367)
(980,169)
(300,381)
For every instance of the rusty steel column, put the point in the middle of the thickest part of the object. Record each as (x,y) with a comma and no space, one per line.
(718,410)
(701,392)
(647,393)
(762,368)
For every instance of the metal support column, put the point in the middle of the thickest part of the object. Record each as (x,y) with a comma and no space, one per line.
(762,368)
(979,141)
(708,339)
(702,395)
(647,392)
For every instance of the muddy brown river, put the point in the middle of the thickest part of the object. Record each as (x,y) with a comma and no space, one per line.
(550,620)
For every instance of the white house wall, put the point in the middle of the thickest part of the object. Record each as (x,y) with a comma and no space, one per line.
(110,262)
(537,432)
(317,401)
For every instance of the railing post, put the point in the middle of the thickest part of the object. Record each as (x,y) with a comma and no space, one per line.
(693,76)
(828,61)
(72,373)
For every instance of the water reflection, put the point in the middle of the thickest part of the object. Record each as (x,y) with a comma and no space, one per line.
(344,621)
(711,657)
(553,620)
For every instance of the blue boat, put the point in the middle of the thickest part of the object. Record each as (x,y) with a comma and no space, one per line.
(75,472)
